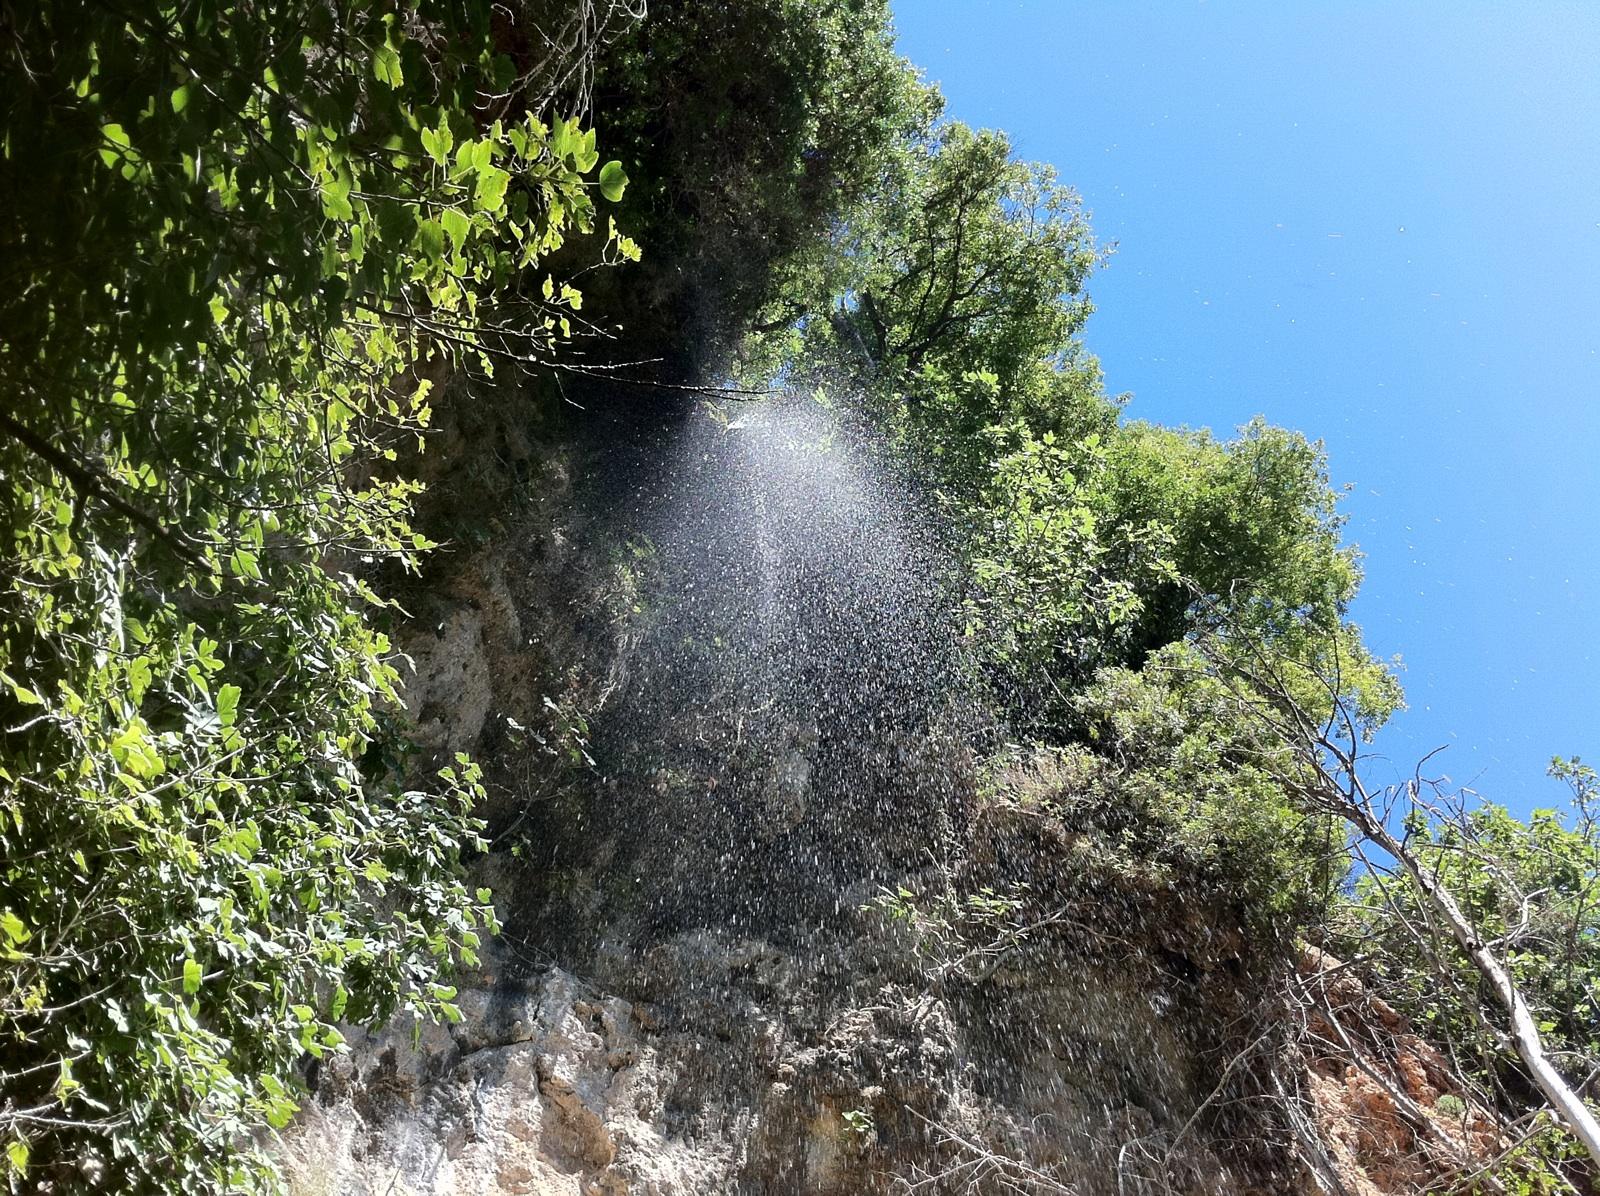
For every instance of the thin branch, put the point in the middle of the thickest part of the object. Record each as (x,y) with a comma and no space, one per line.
(87,480)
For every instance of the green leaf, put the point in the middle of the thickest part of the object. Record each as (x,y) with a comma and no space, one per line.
(139,677)
(118,137)
(613,180)
(244,564)
(134,751)
(180,98)
(386,66)
(562,137)
(17,1155)
(191,976)
(13,928)
(492,183)
(430,239)
(280,1114)
(336,198)
(437,143)
(584,156)
(458,224)
(228,704)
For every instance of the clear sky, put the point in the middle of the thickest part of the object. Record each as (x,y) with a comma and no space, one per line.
(1378,223)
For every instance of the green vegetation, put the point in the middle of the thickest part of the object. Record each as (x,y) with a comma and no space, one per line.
(1532,889)
(1100,552)
(244,248)
(242,242)
(751,127)
(1160,615)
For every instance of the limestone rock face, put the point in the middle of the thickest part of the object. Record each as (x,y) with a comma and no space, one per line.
(745,1068)
(763,1071)
(1388,1109)
(544,1089)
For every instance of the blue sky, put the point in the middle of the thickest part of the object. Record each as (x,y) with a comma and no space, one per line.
(1378,223)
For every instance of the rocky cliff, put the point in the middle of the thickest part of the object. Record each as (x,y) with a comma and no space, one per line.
(704,658)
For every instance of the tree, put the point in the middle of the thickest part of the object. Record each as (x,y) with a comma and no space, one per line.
(951,299)
(1303,702)
(1531,891)
(754,128)
(1099,548)
(972,261)
(243,242)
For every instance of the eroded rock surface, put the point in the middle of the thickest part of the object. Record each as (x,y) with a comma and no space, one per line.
(742,1068)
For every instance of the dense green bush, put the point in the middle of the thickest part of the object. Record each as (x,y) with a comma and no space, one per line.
(1177,781)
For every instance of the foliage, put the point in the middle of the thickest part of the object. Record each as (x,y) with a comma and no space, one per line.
(1170,783)
(1543,1162)
(1100,550)
(242,240)
(859,1122)
(1171,789)
(958,935)
(1533,890)
(959,292)
(750,128)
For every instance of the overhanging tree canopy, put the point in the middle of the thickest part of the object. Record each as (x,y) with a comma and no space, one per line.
(241,240)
